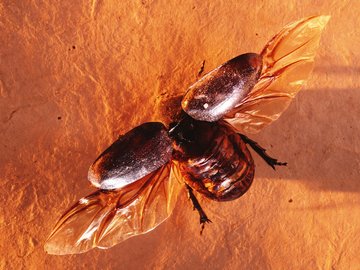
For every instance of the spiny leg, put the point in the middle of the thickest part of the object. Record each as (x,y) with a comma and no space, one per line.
(203,217)
(262,152)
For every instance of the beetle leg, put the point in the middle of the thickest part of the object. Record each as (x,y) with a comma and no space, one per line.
(203,217)
(262,152)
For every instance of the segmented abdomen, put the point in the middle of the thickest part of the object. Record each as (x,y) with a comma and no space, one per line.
(225,171)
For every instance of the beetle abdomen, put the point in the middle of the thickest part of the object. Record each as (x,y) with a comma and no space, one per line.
(225,171)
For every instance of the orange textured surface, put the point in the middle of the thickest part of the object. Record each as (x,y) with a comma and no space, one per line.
(74,76)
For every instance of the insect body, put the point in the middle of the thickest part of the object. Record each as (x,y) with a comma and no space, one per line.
(216,162)
(141,174)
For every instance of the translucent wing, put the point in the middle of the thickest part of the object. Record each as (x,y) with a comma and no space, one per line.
(105,218)
(287,63)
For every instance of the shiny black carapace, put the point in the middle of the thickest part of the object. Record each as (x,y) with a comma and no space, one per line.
(141,174)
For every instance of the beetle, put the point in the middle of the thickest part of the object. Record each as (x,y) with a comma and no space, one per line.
(138,178)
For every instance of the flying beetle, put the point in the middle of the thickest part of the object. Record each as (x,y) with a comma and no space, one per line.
(138,178)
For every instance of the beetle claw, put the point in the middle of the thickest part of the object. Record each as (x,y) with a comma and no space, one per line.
(203,221)
(272,162)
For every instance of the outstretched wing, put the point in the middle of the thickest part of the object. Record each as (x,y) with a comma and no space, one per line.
(105,218)
(287,63)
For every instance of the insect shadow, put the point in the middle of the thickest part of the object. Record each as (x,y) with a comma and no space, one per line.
(327,154)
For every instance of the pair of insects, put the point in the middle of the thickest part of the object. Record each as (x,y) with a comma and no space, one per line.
(141,174)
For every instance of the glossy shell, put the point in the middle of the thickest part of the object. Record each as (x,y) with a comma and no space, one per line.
(217,163)
(139,152)
(222,89)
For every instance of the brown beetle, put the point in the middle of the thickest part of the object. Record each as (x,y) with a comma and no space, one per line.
(141,174)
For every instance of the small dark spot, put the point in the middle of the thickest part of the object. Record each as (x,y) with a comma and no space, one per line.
(193,7)
(73,47)
(256,34)
(59,117)
(35,242)
(291,200)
